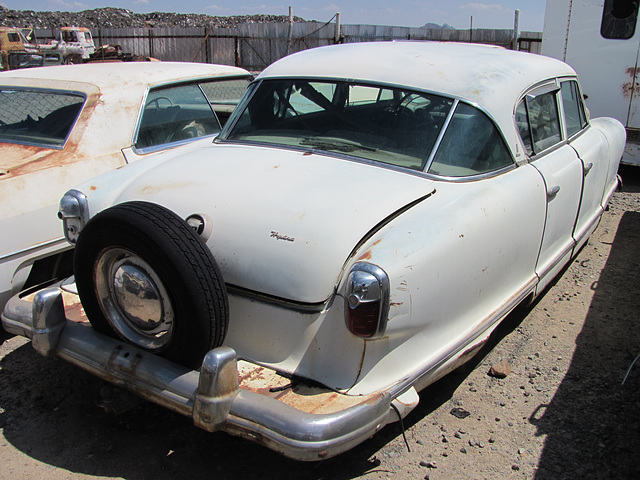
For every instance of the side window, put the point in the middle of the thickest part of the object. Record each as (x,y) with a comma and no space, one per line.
(619,19)
(224,95)
(522,122)
(471,145)
(175,114)
(541,114)
(573,108)
(38,117)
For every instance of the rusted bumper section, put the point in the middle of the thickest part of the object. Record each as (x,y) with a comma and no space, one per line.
(212,397)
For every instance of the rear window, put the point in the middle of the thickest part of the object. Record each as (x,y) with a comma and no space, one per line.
(37,116)
(383,124)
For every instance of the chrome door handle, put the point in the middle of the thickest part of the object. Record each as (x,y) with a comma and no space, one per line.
(587,168)
(553,191)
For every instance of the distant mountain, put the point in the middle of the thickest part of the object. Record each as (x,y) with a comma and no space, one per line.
(435,25)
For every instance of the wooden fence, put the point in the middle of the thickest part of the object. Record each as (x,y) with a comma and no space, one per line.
(254,46)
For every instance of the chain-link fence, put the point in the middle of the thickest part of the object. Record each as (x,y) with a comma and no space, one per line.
(254,46)
(37,116)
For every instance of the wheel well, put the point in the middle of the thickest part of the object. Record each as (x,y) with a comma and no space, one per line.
(54,267)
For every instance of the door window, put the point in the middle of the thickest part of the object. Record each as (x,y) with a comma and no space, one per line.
(538,122)
(574,114)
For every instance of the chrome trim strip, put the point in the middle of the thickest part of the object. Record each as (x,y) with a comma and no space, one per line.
(557,259)
(444,128)
(34,247)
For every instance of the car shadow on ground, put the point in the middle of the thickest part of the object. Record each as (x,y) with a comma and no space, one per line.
(592,423)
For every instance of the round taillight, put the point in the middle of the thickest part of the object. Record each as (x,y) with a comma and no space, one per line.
(366,300)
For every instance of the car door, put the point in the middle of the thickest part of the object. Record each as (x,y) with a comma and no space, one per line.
(539,123)
(591,148)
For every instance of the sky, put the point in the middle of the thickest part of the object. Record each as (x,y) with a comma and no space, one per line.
(406,13)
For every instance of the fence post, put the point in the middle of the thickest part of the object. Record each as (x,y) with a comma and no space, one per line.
(151,52)
(237,51)
(207,53)
(516,27)
(290,30)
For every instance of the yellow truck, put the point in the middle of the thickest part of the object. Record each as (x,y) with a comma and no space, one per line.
(17,52)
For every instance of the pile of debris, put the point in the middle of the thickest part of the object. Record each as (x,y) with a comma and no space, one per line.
(123,18)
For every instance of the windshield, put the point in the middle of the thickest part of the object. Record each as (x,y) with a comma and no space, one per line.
(380,123)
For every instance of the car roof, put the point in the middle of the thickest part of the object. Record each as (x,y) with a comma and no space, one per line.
(118,75)
(486,75)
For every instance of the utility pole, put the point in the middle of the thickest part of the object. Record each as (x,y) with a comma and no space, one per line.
(516,28)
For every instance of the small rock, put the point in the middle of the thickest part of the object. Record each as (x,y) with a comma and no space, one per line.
(500,370)
(459,412)
(463,450)
(515,468)
(420,441)
(431,464)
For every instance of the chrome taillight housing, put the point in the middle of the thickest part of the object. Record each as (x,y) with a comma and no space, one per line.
(366,300)
(74,213)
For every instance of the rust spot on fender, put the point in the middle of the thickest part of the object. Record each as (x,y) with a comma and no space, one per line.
(365,256)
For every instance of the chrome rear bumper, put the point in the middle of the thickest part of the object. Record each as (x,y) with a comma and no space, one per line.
(211,396)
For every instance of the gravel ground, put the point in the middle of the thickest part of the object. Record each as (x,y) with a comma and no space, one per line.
(561,413)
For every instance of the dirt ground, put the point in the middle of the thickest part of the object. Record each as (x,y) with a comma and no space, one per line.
(562,413)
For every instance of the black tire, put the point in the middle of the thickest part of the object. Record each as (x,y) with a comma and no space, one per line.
(179,262)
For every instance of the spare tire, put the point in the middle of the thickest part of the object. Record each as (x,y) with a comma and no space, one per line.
(145,276)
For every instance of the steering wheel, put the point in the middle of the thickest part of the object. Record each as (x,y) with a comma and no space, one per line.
(156,102)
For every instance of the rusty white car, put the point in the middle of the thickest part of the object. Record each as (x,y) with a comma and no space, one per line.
(62,125)
(366,218)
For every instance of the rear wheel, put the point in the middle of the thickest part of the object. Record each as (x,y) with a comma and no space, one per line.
(145,276)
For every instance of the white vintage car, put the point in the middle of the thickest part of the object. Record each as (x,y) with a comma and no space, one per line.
(366,218)
(62,125)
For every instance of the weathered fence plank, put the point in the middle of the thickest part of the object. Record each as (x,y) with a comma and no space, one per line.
(256,45)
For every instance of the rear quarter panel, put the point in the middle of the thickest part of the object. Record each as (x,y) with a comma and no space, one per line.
(453,262)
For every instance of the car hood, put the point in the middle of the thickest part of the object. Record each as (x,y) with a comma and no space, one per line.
(284,222)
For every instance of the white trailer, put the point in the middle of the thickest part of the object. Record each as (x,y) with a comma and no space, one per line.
(600,39)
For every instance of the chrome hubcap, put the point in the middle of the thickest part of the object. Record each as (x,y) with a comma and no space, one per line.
(133,299)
